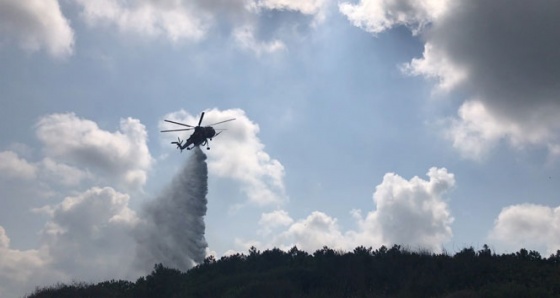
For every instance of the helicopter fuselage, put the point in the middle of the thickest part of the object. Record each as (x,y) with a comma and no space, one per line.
(200,136)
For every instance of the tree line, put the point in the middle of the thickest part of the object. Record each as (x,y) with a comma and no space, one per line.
(363,272)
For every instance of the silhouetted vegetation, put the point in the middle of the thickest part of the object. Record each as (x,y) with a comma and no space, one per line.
(384,272)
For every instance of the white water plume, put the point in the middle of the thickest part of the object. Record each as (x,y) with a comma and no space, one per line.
(172,231)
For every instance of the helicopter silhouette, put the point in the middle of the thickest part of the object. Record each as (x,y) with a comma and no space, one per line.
(201,136)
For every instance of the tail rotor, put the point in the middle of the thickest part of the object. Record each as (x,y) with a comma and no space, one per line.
(179,143)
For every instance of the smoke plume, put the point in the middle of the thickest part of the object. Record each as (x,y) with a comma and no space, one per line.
(172,231)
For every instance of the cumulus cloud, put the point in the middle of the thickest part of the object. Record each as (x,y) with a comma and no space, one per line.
(192,20)
(379,15)
(245,38)
(18,267)
(418,203)
(40,24)
(311,233)
(315,231)
(436,65)
(272,220)
(62,173)
(171,19)
(476,131)
(93,235)
(238,154)
(87,237)
(4,240)
(527,225)
(503,54)
(12,166)
(122,155)
(36,24)
(407,212)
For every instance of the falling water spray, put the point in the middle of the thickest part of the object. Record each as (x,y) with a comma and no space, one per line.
(172,231)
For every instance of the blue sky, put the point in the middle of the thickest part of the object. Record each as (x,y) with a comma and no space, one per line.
(430,124)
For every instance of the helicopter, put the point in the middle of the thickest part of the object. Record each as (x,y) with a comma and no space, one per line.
(201,136)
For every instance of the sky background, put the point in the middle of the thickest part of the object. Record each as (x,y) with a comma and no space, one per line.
(430,124)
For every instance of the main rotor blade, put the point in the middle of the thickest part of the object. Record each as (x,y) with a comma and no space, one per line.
(182,129)
(201,116)
(222,121)
(178,123)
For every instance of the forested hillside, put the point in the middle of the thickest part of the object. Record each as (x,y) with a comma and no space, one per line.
(365,272)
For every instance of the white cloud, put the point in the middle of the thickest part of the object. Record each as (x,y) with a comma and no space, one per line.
(63,173)
(476,131)
(275,218)
(36,24)
(122,155)
(436,65)
(192,20)
(4,240)
(12,166)
(171,19)
(246,40)
(89,235)
(527,225)
(554,150)
(312,233)
(413,212)
(272,220)
(379,15)
(239,154)
(18,267)
(407,212)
